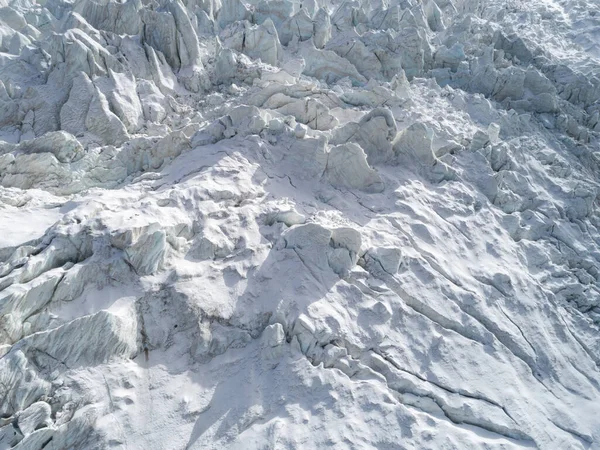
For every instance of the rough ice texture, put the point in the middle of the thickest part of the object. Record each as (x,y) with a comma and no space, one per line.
(282,224)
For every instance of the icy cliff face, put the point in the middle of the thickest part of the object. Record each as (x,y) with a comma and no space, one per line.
(299,224)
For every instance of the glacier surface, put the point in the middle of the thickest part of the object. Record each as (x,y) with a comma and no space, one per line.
(294,224)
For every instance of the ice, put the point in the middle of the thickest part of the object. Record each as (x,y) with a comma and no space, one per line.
(299,224)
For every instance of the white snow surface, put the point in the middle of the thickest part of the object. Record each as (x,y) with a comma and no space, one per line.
(298,224)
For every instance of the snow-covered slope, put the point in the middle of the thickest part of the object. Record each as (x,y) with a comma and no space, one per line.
(299,224)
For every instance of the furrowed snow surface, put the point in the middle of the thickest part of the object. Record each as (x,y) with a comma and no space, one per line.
(299,224)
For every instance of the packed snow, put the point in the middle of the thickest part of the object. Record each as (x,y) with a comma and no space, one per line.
(296,224)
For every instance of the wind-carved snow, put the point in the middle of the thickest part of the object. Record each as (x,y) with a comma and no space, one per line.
(282,224)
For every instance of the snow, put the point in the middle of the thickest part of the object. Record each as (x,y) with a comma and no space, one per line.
(282,224)
(19,226)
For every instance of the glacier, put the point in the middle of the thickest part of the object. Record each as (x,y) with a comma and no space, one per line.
(296,224)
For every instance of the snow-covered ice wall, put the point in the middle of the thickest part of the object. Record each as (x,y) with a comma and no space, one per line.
(298,224)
